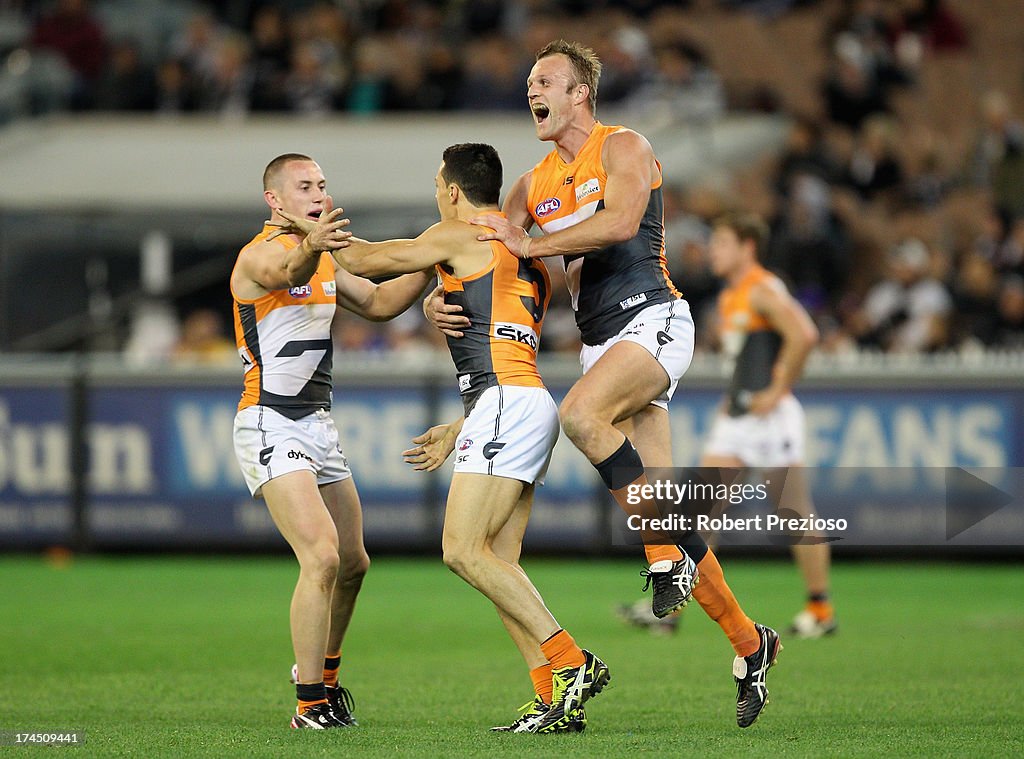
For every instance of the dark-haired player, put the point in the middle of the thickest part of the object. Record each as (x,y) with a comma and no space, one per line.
(510,427)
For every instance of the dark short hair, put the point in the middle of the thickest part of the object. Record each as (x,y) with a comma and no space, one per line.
(476,169)
(747,227)
(274,167)
(585,65)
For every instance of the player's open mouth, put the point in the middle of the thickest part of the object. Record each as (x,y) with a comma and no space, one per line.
(314,215)
(540,112)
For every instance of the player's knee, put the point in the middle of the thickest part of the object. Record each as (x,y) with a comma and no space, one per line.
(576,422)
(459,558)
(352,570)
(322,563)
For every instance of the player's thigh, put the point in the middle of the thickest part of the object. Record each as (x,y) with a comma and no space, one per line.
(479,505)
(622,382)
(299,512)
(508,543)
(342,501)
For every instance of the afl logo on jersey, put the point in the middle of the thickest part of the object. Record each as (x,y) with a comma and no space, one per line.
(302,291)
(547,206)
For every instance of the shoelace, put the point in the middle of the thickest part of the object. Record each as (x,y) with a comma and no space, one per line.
(528,710)
(648,574)
(347,699)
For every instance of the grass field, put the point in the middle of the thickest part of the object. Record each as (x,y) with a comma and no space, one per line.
(190,656)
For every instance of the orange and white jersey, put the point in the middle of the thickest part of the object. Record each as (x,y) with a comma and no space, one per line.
(748,339)
(284,340)
(608,286)
(505,303)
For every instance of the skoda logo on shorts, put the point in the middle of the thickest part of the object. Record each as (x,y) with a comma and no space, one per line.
(547,206)
(302,291)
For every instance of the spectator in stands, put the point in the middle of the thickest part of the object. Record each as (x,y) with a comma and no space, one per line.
(975,288)
(806,152)
(310,88)
(495,71)
(368,87)
(443,71)
(72,31)
(809,245)
(852,91)
(627,60)
(227,89)
(197,45)
(1008,332)
(175,88)
(928,180)
(1010,256)
(932,22)
(999,153)
(874,171)
(203,340)
(683,86)
(125,84)
(271,58)
(909,311)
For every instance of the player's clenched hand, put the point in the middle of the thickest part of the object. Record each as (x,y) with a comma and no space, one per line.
(433,447)
(512,237)
(446,317)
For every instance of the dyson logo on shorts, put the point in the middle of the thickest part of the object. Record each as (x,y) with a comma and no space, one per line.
(547,206)
(302,291)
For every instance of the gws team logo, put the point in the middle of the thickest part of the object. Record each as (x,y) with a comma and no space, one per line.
(466,444)
(587,188)
(516,332)
(547,206)
(302,291)
(492,448)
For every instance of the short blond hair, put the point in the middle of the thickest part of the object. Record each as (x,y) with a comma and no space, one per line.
(585,65)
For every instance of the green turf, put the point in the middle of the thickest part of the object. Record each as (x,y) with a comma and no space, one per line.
(190,656)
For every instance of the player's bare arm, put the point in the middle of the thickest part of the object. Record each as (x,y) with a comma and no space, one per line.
(799,335)
(380,302)
(270,266)
(629,162)
(450,242)
(434,446)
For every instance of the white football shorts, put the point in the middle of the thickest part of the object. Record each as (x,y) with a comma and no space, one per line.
(776,439)
(269,444)
(510,432)
(666,331)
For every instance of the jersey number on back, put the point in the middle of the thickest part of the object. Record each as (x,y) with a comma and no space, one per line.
(534,305)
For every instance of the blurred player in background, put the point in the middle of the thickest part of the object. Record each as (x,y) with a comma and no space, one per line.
(286,291)
(597,197)
(510,427)
(768,335)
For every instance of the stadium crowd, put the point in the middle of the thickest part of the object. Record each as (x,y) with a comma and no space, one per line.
(897,219)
